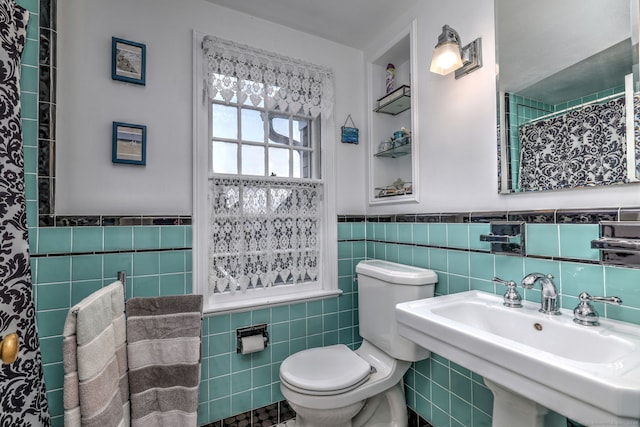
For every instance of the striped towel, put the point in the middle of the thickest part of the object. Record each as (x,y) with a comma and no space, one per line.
(164,359)
(96,389)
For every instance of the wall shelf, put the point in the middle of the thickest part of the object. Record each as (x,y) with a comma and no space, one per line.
(395,102)
(399,151)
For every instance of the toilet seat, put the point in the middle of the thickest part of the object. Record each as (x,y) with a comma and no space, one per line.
(324,370)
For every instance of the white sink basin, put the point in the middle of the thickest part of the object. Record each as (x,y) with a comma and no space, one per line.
(589,374)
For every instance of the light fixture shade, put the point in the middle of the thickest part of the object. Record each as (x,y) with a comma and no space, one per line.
(446,58)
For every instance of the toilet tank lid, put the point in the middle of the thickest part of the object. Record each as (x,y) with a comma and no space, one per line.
(396,273)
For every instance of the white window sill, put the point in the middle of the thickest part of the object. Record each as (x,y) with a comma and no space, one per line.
(214,308)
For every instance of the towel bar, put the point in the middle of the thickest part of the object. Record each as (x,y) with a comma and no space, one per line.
(122,277)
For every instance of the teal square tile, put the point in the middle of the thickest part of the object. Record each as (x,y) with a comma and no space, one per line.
(118,238)
(344,250)
(188,242)
(423,408)
(219,365)
(51,348)
(440,373)
(330,338)
(482,398)
(29,100)
(31,165)
(298,311)
(84,288)
(32,213)
(51,322)
(509,267)
(220,323)
(421,257)
(241,381)
(86,239)
(85,267)
(172,284)
(480,419)
(261,396)
(114,263)
(298,328)
(458,262)
(280,332)
(220,408)
(261,316)
(575,241)
(172,236)
(314,325)
(461,410)
(29,79)
(481,266)
(330,322)
(405,233)
(344,267)
(314,341)
(461,386)
(621,313)
(53,296)
(475,230)
(379,231)
(482,285)
(438,259)
(405,254)
(440,398)
(344,231)
(421,234)
(330,305)
(220,387)
(458,235)
(55,402)
(280,314)
(31,185)
(391,231)
(171,262)
(146,237)
(543,239)
(54,240)
(146,286)
(438,234)
(146,263)
(392,252)
(579,277)
(54,375)
(241,402)
(53,269)
(458,283)
(240,320)
(422,385)
(622,282)
(358,230)
(359,249)
(30,132)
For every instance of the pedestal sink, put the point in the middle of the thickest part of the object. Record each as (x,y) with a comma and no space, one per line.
(531,361)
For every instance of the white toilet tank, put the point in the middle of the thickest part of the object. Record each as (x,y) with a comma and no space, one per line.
(382,285)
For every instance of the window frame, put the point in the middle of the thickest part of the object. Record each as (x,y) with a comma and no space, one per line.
(327,284)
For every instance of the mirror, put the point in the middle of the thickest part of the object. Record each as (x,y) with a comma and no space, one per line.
(567,81)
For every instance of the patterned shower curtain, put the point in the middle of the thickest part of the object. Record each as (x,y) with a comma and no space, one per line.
(584,147)
(23,399)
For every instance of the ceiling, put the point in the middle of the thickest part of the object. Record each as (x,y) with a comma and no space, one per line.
(352,23)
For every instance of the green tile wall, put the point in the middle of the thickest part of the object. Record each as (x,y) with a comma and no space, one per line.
(447,394)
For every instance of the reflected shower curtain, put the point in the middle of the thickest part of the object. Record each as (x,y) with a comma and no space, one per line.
(22,393)
(584,147)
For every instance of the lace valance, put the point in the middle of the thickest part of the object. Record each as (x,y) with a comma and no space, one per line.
(255,76)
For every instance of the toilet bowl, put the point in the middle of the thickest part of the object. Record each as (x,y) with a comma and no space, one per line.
(335,386)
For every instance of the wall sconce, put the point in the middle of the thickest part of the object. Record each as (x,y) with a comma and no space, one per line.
(448,55)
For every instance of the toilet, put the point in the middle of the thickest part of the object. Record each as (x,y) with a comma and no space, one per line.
(335,386)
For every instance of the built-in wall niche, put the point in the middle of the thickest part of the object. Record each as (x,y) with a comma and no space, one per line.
(393,124)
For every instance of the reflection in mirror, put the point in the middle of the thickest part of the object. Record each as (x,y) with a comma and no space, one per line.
(567,81)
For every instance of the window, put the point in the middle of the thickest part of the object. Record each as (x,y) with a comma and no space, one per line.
(264,230)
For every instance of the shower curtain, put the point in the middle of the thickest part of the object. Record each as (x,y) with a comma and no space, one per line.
(23,399)
(584,147)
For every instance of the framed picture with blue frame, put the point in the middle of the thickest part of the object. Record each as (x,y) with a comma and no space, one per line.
(128,61)
(129,144)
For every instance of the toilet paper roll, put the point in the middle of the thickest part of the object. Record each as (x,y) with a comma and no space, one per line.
(252,343)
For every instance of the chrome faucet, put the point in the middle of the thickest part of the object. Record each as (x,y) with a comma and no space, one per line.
(549,300)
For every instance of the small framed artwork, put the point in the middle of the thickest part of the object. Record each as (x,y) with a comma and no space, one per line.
(128,61)
(129,144)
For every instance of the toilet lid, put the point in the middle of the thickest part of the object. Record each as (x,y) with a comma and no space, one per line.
(325,369)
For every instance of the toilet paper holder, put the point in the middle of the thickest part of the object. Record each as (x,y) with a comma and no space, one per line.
(251,331)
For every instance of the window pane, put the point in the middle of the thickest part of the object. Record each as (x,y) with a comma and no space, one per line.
(252,125)
(302,166)
(224,121)
(279,130)
(252,160)
(302,133)
(224,157)
(278,162)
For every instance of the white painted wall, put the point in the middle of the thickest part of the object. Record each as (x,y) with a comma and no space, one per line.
(457,117)
(89,101)
(458,160)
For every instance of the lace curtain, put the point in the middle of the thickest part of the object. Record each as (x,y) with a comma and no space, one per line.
(255,76)
(263,233)
(583,147)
